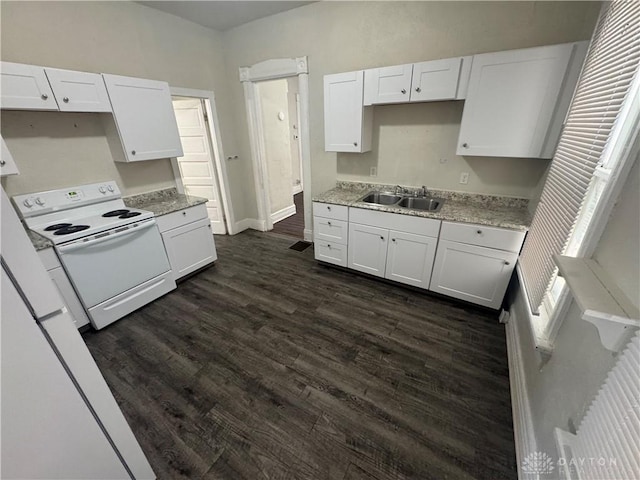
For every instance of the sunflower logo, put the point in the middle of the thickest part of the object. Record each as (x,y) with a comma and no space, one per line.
(537,463)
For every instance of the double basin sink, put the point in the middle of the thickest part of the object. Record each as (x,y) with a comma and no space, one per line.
(405,201)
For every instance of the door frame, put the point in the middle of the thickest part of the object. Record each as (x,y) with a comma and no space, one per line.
(218,154)
(271,70)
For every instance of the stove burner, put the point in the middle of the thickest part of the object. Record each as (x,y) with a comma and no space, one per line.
(129,214)
(115,213)
(70,229)
(57,226)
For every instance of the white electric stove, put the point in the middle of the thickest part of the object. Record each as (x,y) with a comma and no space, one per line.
(113,254)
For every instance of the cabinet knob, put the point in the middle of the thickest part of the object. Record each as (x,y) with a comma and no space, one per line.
(355,144)
(418,89)
(3,163)
(44,96)
(328,245)
(329,208)
(184,214)
(65,99)
(507,263)
(465,145)
(393,239)
(479,232)
(403,91)
(381,238)
(329,223)
(133,152)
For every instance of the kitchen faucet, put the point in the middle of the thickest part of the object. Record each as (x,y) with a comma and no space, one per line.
(423,191)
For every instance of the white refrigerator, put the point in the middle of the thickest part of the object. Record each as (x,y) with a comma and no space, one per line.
(58,418)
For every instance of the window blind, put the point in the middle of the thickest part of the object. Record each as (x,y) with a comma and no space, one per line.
(609,69)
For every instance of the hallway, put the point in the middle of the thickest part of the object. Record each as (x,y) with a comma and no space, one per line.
(293,225)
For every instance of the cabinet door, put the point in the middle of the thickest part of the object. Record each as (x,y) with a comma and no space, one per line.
(435,80)
(367,249)
(410,258)
(347,124)
(476,274)
(7,164)
(511,100)
(190,247)
(25,87)
(387,84)
(78,91)
(144,116)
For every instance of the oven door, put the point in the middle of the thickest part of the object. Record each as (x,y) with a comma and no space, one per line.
(107,264)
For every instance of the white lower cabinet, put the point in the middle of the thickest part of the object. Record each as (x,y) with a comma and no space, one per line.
(410,258)
(478,275)
(330,233)
(330,252)
(368,249)
(188,240)
(60,279)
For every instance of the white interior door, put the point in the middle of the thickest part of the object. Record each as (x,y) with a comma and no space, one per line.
(196,165)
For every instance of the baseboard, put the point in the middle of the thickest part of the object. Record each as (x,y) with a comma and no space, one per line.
(247,223)
(297,189)
(524,434)
(308,235)
(284,213)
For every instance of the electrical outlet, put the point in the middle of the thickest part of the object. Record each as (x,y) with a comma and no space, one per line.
(464,178)
(443,160)
(373,172)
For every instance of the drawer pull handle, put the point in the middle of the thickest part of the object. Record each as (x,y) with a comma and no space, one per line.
(479,232)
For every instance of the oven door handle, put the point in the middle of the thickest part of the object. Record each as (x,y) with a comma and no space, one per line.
(78,245)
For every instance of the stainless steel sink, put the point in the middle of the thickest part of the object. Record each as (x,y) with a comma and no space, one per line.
(381,198)
(422,203)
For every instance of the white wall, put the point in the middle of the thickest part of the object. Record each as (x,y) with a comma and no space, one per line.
(273,101)
(562,390)
(125,38)
(345,36)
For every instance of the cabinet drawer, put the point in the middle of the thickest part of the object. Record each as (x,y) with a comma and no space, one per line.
(328,210)
(492,237)
(330,230)
(330,252)
(181,217)
(395,221)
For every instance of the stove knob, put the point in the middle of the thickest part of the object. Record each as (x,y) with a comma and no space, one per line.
(110,188)
(102,189)
(28,203)
(39,201)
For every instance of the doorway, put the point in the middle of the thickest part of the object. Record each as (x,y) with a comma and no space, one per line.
(277,100)
(200,171)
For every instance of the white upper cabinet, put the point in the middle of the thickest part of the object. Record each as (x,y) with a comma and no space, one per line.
(144,118)
(387,84)
(7,164)
(435,80)
(78,91)
(25,87)
(347,124)
(430,81)
(517,101)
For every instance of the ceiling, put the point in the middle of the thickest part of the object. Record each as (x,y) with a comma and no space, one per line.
(222,15)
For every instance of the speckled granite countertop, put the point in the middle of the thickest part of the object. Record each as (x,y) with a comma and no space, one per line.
(496,211)
(38,241)
(162,202)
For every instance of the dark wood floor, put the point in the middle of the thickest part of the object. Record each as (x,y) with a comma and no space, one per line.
(271,366)
(293,225)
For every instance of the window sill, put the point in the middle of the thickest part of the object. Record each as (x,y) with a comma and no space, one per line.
(600,300)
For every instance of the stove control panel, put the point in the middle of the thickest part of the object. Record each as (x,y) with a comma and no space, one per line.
(33,204)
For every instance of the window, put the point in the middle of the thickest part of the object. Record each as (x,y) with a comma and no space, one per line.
(601,121)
